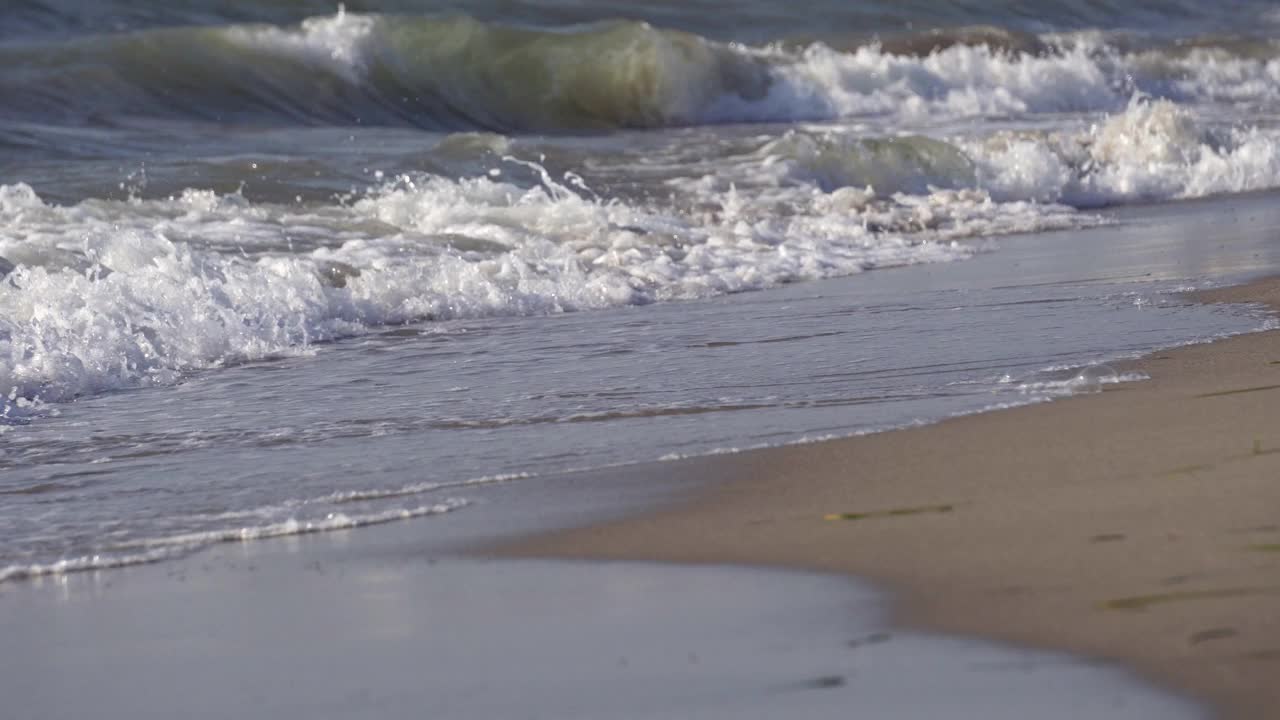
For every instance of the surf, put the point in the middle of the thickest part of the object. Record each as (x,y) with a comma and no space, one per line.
(456,72)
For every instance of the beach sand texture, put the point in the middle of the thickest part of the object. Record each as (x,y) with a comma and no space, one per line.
(1139,524)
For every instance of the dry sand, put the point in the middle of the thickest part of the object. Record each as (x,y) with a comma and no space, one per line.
(1139,524)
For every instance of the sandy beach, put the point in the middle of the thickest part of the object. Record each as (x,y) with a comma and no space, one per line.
(1137,524)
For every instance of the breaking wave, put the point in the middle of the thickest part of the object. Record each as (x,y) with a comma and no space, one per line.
(458,73)
(1151,150)
(107,294)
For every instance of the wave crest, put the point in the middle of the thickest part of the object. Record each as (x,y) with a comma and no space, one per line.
(1154,150)
(458,73)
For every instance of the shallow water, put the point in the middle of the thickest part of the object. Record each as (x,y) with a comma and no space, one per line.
(416,420)
(275,268)
(342,626)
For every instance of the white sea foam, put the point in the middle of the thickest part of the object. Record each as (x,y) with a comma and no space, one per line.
(1086,75)
(104,295)
(349,496)
(338,42)
(155,549)
(961,81)
(1154,150)
(1087,380)
(117,294)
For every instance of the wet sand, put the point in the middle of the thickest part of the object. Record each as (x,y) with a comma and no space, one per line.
(1139,524)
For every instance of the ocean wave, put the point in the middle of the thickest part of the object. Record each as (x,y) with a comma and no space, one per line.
(1154,150)
(753,19)
(102,295)
(107,294)
(458,73)
(446,73)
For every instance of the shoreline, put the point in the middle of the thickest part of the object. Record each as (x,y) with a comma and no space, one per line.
(1137,525)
